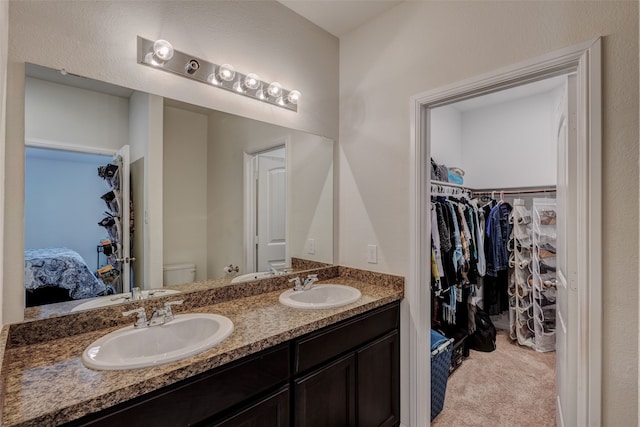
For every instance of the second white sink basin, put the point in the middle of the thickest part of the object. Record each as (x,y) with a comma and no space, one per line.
(107,300)
(252,276)
(184,336)
(320,296)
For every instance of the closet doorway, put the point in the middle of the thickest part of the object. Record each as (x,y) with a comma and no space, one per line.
(578,172)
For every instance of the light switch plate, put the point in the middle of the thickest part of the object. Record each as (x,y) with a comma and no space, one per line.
(311,246)
(372,254)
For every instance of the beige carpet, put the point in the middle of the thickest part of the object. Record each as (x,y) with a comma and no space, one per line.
(512,386)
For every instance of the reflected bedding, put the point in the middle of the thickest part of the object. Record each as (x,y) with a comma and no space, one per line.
(60,268)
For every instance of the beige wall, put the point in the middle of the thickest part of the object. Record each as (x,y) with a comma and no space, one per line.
(310,161)
(418,46)
(184,183)
(98,40)
(146,139)
(4,40)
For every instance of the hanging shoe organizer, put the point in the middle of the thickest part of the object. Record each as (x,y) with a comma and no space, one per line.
(544,273)
(112,223)
(521,310)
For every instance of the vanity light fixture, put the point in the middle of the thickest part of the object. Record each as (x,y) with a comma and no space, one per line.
(294,96)
(252,81)
(274,89)
(160,54)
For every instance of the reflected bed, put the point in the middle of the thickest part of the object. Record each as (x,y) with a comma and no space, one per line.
(58,274)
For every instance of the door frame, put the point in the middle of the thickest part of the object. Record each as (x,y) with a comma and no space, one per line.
(585,61)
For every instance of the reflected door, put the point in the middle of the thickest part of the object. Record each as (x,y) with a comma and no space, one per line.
(123,233)
(271,211)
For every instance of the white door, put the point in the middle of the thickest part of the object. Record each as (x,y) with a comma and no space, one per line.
(567,296)
(122,159)
(271,211)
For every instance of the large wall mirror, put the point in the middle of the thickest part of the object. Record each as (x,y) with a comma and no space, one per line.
(113,184)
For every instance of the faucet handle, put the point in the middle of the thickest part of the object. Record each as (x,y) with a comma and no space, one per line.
(168,313)
(297,285)
(309,281)
(141,321)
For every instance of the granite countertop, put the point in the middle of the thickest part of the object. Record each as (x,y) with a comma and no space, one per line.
(46,384)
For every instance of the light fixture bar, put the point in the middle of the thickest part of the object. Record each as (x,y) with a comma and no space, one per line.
(201,70)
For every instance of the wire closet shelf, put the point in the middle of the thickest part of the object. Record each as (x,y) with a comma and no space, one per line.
(440,188)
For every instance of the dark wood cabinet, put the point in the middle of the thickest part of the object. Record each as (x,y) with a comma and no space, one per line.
(201,397)
(355,373)
(379,382)
(272,411)
(327,397)
(347,374)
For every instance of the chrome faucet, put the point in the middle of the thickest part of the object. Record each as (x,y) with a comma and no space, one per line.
(309,281)
(160,316)
(141,321)
(297,285)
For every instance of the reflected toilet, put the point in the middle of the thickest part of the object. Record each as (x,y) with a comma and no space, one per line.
(177,274)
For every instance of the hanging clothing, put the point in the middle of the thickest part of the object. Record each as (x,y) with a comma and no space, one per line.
(435,241)
(498,230)
(478,214)
(454,257)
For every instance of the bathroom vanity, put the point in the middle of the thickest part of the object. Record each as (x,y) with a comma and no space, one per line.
(334,376)
(280,367)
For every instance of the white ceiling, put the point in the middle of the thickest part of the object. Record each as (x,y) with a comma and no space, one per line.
(339,17)
(523,91)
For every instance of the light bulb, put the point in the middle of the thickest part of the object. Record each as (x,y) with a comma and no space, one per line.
(150,58)
(237,86)
(294,97)
(162,50)
(274,89)
(226,72)
(252,81)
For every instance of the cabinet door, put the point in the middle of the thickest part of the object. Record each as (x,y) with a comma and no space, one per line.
(379,382)
(202,397)
(327,397)
(272,411)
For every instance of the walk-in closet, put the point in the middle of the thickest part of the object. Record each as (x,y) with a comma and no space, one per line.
(493,218)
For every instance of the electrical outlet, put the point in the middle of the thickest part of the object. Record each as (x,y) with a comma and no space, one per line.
(372,254)
(311,246)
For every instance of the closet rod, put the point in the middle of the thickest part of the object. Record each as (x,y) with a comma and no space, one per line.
(528,190)
(449,184)
(522,190)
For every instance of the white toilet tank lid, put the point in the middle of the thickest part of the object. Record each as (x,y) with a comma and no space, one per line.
(185,266)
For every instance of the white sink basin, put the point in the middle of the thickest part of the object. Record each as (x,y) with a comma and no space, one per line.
(120,298)
(252,276)
(320,296)
(184,336)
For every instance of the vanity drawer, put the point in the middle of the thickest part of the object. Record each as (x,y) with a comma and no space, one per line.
(196,399)
(318,347)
